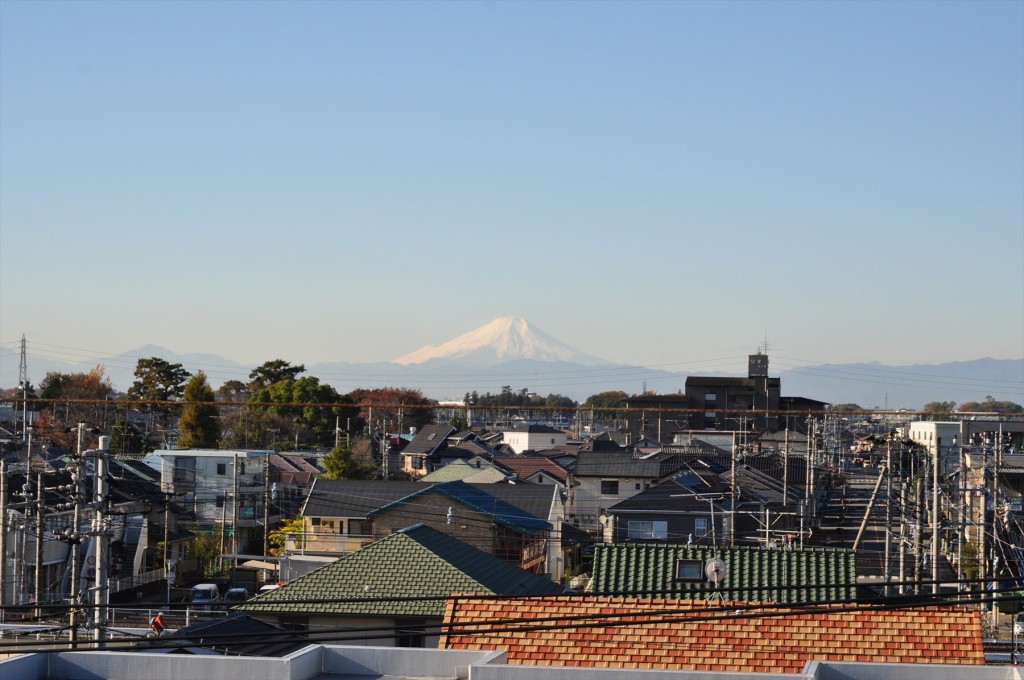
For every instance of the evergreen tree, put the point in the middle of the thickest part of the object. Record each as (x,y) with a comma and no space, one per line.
(198,427)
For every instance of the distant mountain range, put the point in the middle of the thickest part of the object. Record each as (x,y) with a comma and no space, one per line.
(509,351)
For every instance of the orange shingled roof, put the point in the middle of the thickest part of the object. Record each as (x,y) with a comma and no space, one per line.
(708,635)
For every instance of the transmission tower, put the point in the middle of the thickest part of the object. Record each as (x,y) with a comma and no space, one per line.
(23,384)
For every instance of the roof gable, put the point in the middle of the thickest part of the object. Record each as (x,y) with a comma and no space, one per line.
(385,577)
(498,510)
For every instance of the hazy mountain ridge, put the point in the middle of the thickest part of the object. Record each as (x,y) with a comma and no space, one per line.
(508,351)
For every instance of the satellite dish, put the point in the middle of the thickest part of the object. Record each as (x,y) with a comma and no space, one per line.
(715,570)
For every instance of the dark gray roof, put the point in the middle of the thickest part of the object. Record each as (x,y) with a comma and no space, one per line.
(625,464)
(238,635)
(478,499)
(359,498)
(429,438)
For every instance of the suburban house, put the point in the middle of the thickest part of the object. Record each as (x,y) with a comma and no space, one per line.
(750,574)
(692,507)
(340,515)
(535,469)
(533,438)
(601,479)
(435,446)
(475,516)
(711,635)
(392,593)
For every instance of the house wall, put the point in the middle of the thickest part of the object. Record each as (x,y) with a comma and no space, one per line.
(360,630)
(678,529)
(535,441)
(586,500)
(432,509)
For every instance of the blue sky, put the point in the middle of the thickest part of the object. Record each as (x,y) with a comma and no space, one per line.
(656,183)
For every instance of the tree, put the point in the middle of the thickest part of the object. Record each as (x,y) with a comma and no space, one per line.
(339,463)
(198,427)
(939,407)
(270,372)
(277,538)
(606,400)
(990,405)
(158,382)
(233,391)
(303,407)
(845,408)
(71,398)
(397,408)
(125,437)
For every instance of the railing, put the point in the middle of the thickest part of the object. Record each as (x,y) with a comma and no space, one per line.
(131,582)
(328,543)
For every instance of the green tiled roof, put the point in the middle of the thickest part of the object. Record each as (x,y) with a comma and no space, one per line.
(753,574)
(414,562)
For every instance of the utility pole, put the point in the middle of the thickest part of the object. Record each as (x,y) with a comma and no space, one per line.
(888,515)
(732,493)
(101,592)
(785,468)
(75,539)
(936,515)
(40,523)
(234,516)
(266,502)
(3,540)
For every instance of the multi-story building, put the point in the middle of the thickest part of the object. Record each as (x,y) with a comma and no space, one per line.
(224,490)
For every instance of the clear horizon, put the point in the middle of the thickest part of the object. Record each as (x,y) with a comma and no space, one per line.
(656,184)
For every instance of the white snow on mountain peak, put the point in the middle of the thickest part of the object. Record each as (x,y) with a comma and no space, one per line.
(507,338)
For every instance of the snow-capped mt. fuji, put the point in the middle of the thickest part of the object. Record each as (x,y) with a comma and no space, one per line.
(507,338)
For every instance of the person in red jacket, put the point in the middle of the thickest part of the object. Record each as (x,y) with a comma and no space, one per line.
(157,623)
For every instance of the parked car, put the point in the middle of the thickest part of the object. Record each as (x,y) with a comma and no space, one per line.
(234,596)
(204,595)
(1018,625)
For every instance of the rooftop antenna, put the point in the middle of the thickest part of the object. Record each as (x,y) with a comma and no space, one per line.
(715,570)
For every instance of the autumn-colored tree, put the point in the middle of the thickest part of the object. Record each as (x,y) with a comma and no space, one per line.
(394,408)
(72,398)
(991,405)
(198,427)
(277,538)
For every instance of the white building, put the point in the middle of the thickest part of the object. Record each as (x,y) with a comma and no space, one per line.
(222,488)
(533,438)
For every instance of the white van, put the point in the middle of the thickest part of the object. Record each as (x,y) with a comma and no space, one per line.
(204,595)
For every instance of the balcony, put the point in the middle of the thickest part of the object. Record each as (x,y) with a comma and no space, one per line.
(327,543)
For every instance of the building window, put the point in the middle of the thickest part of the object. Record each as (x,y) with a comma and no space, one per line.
(690,570)
(638,486)
(700,526)
(222,468)
(639,531)
(410,635)
(220,501)
(416,462)
(710,396)
(609,487)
